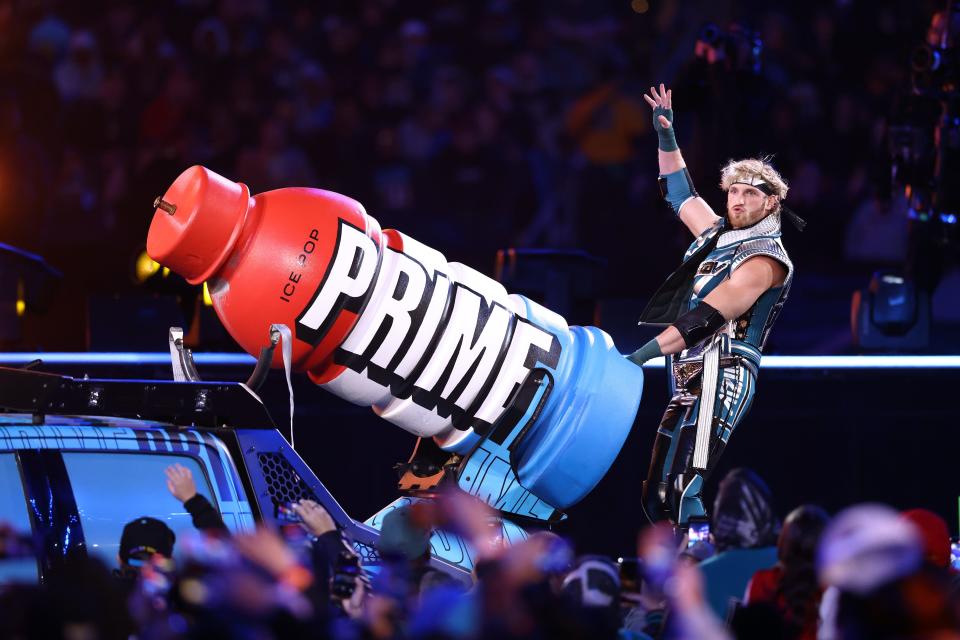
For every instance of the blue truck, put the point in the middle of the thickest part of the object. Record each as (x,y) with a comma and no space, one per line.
(81,457)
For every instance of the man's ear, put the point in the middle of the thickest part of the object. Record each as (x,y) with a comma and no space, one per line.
(771,203)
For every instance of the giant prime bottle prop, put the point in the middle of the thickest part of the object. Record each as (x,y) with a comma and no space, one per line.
(532,411)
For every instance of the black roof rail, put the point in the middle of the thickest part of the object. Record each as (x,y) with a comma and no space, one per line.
(200,403)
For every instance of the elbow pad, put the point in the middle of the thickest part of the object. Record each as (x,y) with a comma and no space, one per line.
(699,323)
(676,188)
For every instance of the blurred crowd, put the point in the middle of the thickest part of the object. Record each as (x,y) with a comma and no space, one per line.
(469,125)
(867,572)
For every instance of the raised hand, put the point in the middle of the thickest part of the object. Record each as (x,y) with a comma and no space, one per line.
(180,482)
(315,518)
(697,214)
(662,102)
(267,550)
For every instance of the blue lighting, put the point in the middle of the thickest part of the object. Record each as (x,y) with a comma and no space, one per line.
(948,218)
(850,362)
(123,358)
(243,359)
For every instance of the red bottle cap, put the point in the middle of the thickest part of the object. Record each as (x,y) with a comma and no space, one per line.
(197,222)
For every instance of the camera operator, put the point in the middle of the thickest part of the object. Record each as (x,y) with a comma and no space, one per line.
(925,150)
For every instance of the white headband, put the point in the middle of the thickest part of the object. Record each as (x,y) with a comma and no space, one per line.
(756,180)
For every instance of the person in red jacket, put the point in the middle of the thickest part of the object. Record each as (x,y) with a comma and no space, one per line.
(791,586)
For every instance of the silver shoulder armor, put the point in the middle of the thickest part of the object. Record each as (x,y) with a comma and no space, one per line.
(762,247)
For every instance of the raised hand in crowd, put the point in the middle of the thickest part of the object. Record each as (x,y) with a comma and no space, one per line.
(180,482)
(205,516)
(315,519)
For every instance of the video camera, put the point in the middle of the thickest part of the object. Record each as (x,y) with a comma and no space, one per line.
(935,64)
(924,145)
(934,69)
(738,46)
(925,139)
(346,571)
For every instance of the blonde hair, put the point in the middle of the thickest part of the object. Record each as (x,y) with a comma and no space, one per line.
(749,169)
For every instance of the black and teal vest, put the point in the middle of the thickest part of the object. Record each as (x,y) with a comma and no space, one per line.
(711,258)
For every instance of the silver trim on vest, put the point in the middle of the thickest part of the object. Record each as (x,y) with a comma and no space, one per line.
(769,226)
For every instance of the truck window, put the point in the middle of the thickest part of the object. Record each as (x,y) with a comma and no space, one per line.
(111,489)
(13,512)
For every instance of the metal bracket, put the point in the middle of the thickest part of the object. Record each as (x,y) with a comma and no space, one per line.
(256,379)
(184,368)
(181,358)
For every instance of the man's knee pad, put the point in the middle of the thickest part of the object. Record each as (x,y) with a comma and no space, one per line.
(688,498)
(654,501)
(675,499)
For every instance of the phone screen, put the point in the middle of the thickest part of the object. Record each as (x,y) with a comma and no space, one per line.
(699,531)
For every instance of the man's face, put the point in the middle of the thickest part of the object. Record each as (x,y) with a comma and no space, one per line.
(747,205)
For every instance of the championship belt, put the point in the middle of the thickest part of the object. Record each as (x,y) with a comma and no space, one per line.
(719,346)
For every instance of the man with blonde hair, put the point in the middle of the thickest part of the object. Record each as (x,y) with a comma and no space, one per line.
(718,307)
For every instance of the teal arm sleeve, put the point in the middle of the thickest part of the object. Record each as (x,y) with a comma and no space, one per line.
(677,188)
(646,352)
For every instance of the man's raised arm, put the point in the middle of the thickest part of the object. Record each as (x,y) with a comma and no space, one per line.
(675,180)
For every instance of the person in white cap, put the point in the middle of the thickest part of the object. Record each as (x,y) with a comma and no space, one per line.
(871,563)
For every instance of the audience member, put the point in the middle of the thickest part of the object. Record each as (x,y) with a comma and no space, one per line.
(791,587)
(142,539)
(871,561)
(936,537)
(744,531)
(593,586)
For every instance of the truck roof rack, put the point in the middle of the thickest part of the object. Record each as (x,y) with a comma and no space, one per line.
(189,403)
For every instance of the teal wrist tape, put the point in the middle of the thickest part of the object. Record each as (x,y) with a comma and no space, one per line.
(646,352)
(667,139)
